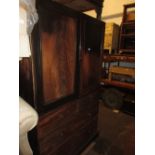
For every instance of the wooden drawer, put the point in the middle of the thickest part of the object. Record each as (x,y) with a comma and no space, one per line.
(88,107)
(55,119)
(59,137)
(78,140)
(52,140)
(88,102)
(67,123)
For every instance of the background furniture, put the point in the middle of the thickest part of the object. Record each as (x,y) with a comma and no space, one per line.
(127,32)
(118,81)
(61,79)
(111,64)
(118,70)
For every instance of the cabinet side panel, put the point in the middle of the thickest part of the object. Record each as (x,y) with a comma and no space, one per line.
(25,80)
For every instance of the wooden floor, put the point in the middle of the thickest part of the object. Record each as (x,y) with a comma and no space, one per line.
(117,134)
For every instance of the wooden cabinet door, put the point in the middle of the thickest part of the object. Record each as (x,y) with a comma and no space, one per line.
(55,54)
(92,39)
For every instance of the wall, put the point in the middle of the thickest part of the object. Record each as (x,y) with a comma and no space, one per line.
(112,10)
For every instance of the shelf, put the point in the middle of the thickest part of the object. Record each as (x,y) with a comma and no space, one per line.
(122,70)
(126,53)
(126,58)
(127,50)
(117,84)
(129,23)
(128,35)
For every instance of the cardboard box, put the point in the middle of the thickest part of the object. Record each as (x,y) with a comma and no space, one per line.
(111,37)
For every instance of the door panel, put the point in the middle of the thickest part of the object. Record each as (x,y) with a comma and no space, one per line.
(58,52)
(91,55)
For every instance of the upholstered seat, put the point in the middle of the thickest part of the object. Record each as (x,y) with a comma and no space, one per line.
(28,119)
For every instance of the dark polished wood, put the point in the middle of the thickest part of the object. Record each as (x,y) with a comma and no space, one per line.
(59,127)
(99,13)
(58,50)
(56,59)
(82,5)
(62,77)
(91,55)
(25,80)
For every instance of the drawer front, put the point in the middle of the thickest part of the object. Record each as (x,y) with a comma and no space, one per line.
(79,139)
(55,139)
(54,120)
(88,107)
(64,127)
(87,103)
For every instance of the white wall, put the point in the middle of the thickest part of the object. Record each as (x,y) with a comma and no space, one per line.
(112,10)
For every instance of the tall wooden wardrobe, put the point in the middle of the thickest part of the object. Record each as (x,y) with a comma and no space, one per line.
(61,79)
